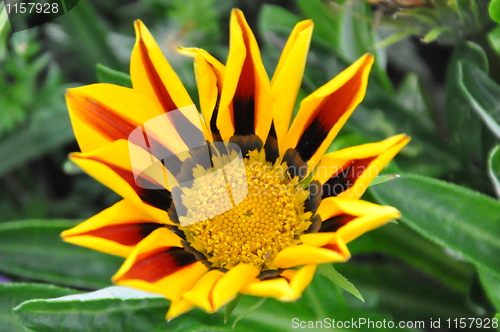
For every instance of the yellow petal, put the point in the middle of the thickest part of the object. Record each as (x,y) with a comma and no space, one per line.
(111,166)
(153,76)
(200,294)
(231,283)
(103,113)
(307,254)
(349,172)
(178,308)
(299,279)
(246,94)
(323,113)
(115,230)
(209,74)
(332,162)
(361,225)
(169,277)
(289,288)
(368,216)
(287,78)
(278,288)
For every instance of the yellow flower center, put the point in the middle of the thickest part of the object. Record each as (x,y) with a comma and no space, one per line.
(268,219)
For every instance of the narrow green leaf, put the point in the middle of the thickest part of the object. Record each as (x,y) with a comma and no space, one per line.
(33,249)
(494,38)
(411,96)
(13,294)
(249,310)
(483,95)
(396,37)
(435,33)
(108,75)
(491,284)
(4,31)
(494,10)
(384,178)
(231,306)
(464,124)
(494,168)
(455,217)
(422,17)
(329,271)
(4,19)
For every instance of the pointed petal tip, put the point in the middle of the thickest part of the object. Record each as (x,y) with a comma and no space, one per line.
(177,309)
(138,24)
(236,11)
(186,51)
(305,25)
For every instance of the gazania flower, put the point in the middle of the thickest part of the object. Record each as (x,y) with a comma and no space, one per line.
(262,209)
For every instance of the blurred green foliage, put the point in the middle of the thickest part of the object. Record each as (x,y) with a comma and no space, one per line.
(435,78)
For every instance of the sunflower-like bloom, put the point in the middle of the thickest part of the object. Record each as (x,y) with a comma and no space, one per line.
(267,204)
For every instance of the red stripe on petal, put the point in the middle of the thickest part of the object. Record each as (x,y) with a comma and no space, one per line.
(327,114)
(335,223)
(244,96)
(128,234)
(159,197)
(345,177)
(157,264)
(100,117)
(156,82)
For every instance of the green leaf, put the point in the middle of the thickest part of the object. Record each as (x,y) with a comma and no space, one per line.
(397,37)
(36,139)
(494,10)
(494,38)
(125,309)
(108,75)
(435,33)
(410,95)
(491,284)
(326,24)
(249,310)
(358,37)
(464,124)
(4,31)
(33,249)
(384,178)
(455,217)
(483,95)
(401,242)
(329,271)
(13,294)
(103,310)
(231,306)
(276,19)
(494,168)
(402,291)
(85,26)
